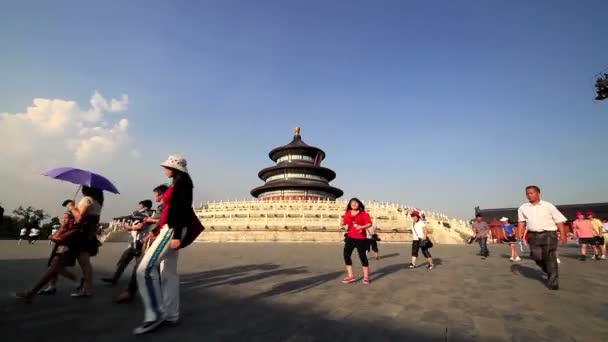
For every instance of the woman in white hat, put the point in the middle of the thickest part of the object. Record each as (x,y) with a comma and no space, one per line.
(508,231)
(162,304)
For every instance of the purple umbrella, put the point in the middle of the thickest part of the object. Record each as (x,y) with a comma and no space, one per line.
(82,177)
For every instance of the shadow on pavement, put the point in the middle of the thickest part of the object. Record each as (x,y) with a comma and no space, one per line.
(387,270)
(528,272)
(299,285)
(237,275)
(388,256)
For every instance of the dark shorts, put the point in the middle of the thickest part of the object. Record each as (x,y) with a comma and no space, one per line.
(586,241)
(69,259)
(510,239)
(599,241)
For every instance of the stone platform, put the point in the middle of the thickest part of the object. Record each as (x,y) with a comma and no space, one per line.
(292,292)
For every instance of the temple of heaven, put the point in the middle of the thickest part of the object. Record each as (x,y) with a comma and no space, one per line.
(297,175)
(296,203)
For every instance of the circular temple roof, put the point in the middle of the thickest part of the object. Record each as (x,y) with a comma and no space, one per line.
(300,185)
(298,146)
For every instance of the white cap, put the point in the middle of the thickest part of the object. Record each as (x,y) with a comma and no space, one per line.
(504,219)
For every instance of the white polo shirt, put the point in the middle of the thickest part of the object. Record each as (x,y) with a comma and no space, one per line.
(540,217)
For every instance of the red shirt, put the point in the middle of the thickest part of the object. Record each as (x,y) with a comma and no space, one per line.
(361,219)
(165,213)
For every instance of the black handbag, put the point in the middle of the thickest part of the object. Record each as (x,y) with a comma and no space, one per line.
(426,243)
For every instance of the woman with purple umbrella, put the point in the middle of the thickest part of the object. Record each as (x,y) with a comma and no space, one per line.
(81,241)
(86,245)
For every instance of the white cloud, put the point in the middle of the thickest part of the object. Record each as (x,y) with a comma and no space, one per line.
(56,132)
(60,127)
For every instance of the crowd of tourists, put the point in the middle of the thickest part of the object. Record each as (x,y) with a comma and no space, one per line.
(157,237)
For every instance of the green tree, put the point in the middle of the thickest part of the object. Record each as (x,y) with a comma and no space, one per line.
(29,216)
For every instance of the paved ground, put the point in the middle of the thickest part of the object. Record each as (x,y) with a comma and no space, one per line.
(292,292)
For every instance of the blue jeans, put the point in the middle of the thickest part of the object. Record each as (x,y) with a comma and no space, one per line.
(483,246)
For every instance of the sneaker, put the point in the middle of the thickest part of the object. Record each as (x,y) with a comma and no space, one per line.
(366,281)
(558,261)
(511,259)
(603,257)
(517,259)
(430,267)
(553,287)
(147,327)
(82,293)
(545,276)
(49,291)
(348,280)
(483,257)
(411,266)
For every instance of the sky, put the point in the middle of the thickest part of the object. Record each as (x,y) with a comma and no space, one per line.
(443,105)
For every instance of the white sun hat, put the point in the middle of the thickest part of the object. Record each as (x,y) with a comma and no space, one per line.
(176,162)
(504,219)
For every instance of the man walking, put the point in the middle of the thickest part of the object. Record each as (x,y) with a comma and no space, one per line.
(22,235)
(138,230)
(482,233)
(541,220)
(599,242)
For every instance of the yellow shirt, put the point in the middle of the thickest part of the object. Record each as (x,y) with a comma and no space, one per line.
(598,226)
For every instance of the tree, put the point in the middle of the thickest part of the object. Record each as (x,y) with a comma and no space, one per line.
(29,216)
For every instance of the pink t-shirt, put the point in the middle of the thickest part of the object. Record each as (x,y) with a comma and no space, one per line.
(583,228)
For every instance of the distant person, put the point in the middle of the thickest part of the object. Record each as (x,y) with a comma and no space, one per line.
(128,295)
(1,215)
(496,231)
(61,257)
(357,221)
(583,230)
(138,230)
(508,230)
(541,221)
(482,233)
(53,231)
(599,242)
(605,231)
(420,240)
(162,304)
(22,235)
(34,233)
(87,214)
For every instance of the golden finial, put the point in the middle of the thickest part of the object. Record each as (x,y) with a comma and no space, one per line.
(297,131)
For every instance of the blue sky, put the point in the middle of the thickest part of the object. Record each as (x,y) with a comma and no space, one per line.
(439,104)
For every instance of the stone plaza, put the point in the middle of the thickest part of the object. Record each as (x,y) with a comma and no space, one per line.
(293,292)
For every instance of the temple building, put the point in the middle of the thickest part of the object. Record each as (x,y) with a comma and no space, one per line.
(296,203)
(297,175)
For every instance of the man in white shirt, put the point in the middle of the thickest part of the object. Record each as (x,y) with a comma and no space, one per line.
(22,235)
(34,232)
(542,220)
